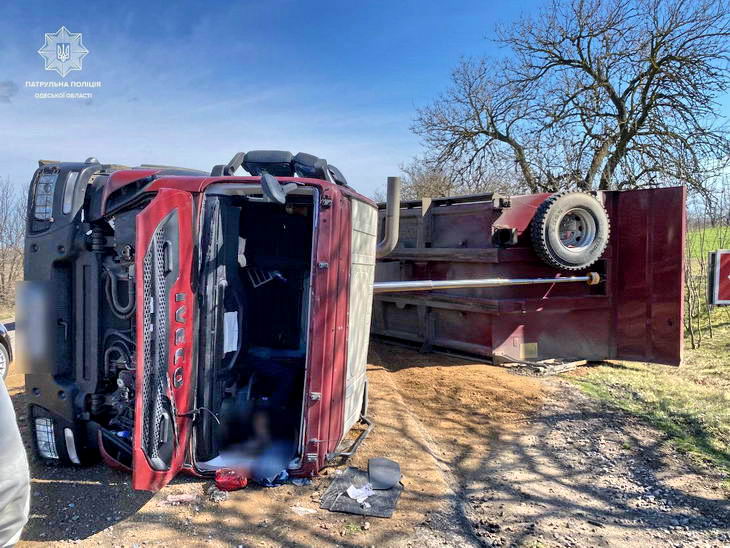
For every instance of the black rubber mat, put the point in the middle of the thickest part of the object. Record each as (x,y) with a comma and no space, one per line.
(382,503)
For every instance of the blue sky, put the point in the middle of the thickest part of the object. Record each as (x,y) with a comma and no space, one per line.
(191,83)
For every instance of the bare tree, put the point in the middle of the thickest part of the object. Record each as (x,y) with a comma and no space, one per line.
(424,177)
(421,179)
(594,94)
(708,229)
(12,234)
(378,194)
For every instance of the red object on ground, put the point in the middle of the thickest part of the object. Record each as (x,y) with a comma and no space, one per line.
(229,480)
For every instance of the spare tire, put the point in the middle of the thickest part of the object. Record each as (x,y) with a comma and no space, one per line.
(570,230)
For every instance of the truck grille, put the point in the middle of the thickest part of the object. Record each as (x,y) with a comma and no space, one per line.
(154,346)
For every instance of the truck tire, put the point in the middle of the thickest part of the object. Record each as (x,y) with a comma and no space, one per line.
(4,362)
(570,230)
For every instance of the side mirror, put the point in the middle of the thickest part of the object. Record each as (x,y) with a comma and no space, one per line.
(273,190)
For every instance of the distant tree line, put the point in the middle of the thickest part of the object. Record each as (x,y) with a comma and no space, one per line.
(12,236)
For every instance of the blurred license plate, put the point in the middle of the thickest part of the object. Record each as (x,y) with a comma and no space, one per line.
(33,328)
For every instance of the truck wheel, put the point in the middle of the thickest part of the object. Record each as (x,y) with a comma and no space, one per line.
(4,362)
(570,230)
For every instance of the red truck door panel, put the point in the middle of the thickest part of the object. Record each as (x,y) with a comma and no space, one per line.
(648,274)
(164,254)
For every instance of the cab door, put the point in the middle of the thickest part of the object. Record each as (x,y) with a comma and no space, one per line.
(164,322)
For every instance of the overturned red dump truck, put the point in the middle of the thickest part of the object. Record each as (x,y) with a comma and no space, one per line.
(633,240)
(191,321)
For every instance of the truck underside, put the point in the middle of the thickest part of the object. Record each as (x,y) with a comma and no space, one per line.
(635,313)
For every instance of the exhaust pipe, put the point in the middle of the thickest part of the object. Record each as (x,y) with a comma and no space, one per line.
(392,219)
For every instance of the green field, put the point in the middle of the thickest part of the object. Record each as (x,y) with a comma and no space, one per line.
(700,242)
(690,403)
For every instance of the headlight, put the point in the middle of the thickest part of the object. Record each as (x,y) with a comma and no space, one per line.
(45,438)
(43,196)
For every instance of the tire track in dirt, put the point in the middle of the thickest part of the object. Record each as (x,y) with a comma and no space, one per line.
(460,407)
(585,474)
(443,524)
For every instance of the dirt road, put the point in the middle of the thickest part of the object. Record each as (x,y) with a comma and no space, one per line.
(488,457)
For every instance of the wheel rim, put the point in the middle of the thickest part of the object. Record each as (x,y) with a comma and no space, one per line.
(3,364)
(576,230)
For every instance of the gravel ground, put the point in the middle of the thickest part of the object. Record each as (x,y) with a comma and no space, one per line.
(489,459)
(582,474)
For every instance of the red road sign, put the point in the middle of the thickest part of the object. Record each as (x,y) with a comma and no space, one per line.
(720,277)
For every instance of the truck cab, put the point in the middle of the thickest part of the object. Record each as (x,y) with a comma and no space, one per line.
(183,320)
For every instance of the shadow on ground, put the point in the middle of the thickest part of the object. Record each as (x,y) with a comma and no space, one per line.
(488,458)
(70,503)
(583,472)
(561,470)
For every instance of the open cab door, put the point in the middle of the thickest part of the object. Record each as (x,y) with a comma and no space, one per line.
(164,324)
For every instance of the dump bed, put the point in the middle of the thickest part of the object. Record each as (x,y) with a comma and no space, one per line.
(634,314)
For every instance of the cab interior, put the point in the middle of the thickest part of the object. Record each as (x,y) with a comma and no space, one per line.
(256,263)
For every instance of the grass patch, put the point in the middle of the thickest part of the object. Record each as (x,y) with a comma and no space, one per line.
(690,403)
(351,529)
(707,239)
(7,312)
